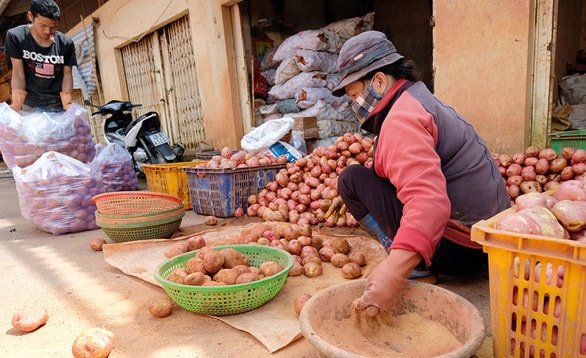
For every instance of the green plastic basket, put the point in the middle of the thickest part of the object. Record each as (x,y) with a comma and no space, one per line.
(229,299)
(141,230)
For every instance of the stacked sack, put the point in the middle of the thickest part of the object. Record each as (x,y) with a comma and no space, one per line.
(54,163)
(302,72)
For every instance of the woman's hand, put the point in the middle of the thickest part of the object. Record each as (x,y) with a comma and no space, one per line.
(385,285)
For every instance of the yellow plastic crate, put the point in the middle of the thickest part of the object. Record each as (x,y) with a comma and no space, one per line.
(537,292)
(170,179)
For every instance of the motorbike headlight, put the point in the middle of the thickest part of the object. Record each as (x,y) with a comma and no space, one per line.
(139,155)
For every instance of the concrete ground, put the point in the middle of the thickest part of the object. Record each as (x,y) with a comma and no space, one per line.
(80,290)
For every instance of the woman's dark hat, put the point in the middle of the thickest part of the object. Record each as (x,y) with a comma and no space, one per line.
(362,54)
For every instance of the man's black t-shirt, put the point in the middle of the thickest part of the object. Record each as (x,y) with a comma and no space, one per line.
(43,66)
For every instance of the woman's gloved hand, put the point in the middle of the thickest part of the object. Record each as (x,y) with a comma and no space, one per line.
(17,99)
(386,283)
(65,99)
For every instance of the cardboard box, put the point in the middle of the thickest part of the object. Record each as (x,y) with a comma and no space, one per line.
(305,127)
(4,92)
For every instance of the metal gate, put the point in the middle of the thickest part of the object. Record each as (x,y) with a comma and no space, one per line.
(161,75)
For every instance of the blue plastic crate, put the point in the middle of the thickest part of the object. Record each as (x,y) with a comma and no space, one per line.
(219,192)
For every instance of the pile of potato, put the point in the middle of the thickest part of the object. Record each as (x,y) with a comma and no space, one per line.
(539,170)
(306,191)
(308,251)
(229,159)
(560,213)
(226,266)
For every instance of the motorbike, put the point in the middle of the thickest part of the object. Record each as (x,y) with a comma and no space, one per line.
(142,137)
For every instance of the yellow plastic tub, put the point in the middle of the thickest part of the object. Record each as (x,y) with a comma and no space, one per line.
(537,292)
(170,179)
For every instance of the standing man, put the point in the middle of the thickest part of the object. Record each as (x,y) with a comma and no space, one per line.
(42,59)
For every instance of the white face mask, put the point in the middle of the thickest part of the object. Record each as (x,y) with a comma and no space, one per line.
(364,104)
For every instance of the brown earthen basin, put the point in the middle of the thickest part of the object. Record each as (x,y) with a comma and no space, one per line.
(329,323)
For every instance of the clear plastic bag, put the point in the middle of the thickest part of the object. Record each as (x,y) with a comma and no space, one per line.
(55,193)
(116,167)
(25,136)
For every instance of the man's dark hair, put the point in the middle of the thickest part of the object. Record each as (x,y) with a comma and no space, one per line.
(45,8)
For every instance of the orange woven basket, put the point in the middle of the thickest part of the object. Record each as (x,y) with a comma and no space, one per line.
(136,219)
(138,215)
(128,204)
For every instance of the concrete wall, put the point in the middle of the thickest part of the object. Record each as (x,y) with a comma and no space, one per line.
(481,58)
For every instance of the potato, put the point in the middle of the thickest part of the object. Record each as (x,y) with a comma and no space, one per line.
(308,251)
(160,307)
(289,233)
(530,200)
(213,283)
(213,261)
(339,259)
(296,270)
(294,247)
(304,230)
(270,235)
(263,241)
(316,242)
(341,245)
(570,190)
(270,268)
(195,243)
(307,259)
(97,243)
(297,258)
(241,269)
(571,214)
(258,229)
(203,251)
(300,301)
(233,257)
(239,212)
(29,319)
(195,264)
(312,269)
(177,248)
(304,240)
(226,275)
(255,270)
(326,253)
(178,275)
(93,343)
(529,186)
(548,223)
(196,279)
(357,258)
(351,270)
(246,277)
(519,222)
(211,220)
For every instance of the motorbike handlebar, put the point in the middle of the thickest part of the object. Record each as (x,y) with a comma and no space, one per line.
(115,106)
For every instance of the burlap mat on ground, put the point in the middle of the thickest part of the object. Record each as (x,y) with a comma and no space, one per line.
(274,324)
